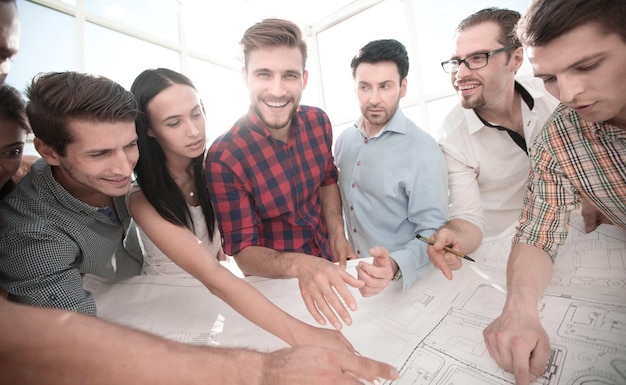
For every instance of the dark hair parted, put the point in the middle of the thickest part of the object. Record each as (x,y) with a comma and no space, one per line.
(152,174)
(546,20)
(13,107)
(57,98)
(273,33)
(383,50)
(505,18)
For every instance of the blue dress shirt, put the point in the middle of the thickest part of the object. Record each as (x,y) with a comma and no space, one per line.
(393,186)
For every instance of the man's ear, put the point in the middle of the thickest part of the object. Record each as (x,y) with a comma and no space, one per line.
(403,87)
(305,79)
(47,152)
(517,58)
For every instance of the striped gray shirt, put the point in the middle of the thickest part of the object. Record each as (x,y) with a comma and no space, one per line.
(48,239)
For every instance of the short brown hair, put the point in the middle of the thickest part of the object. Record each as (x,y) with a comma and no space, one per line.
(57,98)
(273,33)
(546,20)
(506,19)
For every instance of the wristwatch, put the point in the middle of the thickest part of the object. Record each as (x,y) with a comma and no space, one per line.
(397,275)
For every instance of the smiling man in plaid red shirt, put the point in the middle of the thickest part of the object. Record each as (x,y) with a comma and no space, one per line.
(273,182)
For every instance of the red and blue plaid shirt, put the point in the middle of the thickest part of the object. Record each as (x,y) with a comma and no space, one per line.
(266,192)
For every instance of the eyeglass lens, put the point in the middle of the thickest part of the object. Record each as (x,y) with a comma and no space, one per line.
(472,62)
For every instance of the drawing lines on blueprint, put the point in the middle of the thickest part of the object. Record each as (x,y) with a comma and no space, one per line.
(588,341)
(597,259)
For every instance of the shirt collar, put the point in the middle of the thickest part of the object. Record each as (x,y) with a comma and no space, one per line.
(397,124)
(528,95)
(71,202)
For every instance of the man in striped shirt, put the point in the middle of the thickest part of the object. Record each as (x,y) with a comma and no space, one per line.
(578,49)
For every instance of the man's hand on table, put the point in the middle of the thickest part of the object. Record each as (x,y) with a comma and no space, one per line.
(305,365)
(323,286)
(519,344)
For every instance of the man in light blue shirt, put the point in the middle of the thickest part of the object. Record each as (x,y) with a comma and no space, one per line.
(392,174)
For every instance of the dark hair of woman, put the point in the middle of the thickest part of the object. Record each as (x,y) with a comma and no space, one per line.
(152,174)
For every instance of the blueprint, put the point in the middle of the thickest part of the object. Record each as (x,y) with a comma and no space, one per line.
(583,311)
(432,332)
(589,264)
(588,341)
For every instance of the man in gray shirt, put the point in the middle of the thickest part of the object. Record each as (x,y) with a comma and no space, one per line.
(68,216)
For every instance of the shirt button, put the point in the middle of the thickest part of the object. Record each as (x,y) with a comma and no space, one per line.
(354,230)
(358,252)
(353,185)
(358,163)
(351,208)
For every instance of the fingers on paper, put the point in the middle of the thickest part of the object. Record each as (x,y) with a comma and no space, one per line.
(367,369)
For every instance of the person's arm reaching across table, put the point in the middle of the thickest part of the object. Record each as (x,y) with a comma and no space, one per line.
(184,249)
(56,347)
(516,339)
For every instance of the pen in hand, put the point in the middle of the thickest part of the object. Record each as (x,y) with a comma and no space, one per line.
(446,248)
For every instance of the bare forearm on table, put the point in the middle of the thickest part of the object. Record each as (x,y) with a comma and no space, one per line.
(266,262)
(56,347)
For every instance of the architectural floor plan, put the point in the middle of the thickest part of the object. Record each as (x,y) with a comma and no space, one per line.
(432,332)
(583,311)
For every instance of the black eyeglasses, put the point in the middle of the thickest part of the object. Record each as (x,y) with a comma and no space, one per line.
(473,62)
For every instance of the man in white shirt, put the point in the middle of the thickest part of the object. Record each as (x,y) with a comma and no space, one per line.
(486,138)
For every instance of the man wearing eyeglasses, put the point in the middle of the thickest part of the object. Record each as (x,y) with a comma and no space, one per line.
(486,138)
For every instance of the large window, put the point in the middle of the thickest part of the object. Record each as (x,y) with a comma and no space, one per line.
(121,57)
(48,43)
(120,38)
(156,18)
(223,94)
(339,44)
